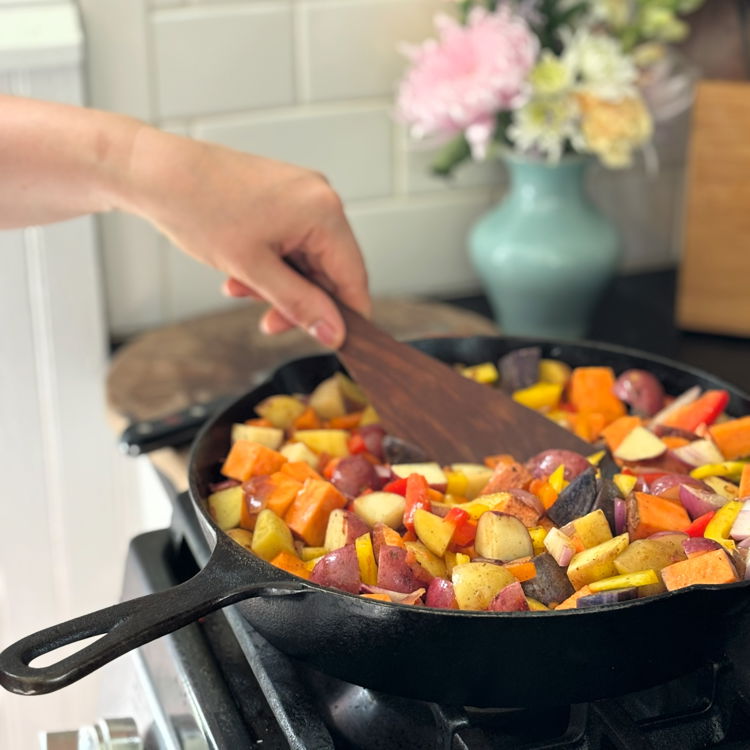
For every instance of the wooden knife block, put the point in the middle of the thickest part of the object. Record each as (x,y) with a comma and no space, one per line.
(713,293)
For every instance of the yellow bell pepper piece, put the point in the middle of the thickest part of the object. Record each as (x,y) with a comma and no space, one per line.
(485,373)
(368,570)
(539,395)
(461,559)
(625,483)
(535,605)
(537,534)
(595,458)
(721,524)
(639,578)
(458,483)
(554,371)
(728,469)
(557,479)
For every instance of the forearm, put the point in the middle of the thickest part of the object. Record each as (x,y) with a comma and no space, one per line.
(58,161)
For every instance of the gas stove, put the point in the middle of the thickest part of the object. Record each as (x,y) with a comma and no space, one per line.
(217,684)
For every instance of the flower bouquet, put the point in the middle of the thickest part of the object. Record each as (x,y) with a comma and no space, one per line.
(542,78)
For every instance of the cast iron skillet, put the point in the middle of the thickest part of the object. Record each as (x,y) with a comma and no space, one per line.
(464,658)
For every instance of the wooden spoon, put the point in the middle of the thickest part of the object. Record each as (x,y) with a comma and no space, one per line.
(451,417)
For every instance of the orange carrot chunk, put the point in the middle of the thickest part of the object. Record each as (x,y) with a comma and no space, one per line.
(732,437)
(523,570)
(591,389)
(648,514)
(710,567)
(248,459)
(744,490)
(308,514)
(291,564)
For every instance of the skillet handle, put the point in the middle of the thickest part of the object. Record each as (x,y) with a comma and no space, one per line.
(130,624)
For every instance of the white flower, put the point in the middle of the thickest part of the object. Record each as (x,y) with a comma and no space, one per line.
(600,65)
(544,125)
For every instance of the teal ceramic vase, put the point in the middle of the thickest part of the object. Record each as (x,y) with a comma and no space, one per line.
(545,254)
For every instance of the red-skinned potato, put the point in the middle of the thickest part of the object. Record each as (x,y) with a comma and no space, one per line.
(384,536)
(338,569)
(395,572)
(440,594)
(641,391)
(354,475)
(544,463)
(510,599)
(343,528)
(502,537)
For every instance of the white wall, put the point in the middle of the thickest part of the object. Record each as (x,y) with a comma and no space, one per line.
(312,82)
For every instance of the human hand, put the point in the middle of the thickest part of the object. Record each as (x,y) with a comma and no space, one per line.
(247,216)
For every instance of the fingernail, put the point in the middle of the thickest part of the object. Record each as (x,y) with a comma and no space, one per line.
(324,332)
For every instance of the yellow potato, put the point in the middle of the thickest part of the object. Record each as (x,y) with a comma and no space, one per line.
(476,584)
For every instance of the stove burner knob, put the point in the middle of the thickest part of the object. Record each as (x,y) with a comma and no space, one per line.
(106,734)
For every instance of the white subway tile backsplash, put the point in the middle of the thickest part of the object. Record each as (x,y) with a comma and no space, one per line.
(191,288)
(351,47)
(351,146)
(419,246)
(223,59)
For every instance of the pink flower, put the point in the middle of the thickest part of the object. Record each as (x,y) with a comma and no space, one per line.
(459,82)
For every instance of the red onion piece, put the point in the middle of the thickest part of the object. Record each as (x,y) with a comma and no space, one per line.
(621,516)
(698,545)
(673,481)
(744,544)
(225,485)
(741,527)
(697,502)
(698,453)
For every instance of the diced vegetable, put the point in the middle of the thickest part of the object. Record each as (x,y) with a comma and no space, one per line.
(596,562)
(712,567)
(576,499)
(247,459)
(732,437)
(704,410)
(271,536)
(648,514)
(308,515)
(291,563)
(476,584)
(225,507)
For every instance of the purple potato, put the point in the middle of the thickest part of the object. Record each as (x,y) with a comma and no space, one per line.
(607,597)
(576,500)
(551,582)
(519,368)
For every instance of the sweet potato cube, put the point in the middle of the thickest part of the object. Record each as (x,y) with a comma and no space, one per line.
(299,470)
(648,514)
(513,506)
(710,567)
(283,490)
(308,514)
(732,437)
(591,389)
(247,459)
(291,564)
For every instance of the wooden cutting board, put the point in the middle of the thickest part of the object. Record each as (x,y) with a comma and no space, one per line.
(713,293)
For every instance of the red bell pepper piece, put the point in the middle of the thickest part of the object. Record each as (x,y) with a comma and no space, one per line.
(465,528)
(704,410)
(417,496)
(698,526)
(356,444)
(397,486)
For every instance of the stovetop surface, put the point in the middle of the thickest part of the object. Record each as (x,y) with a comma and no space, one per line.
(249,694)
